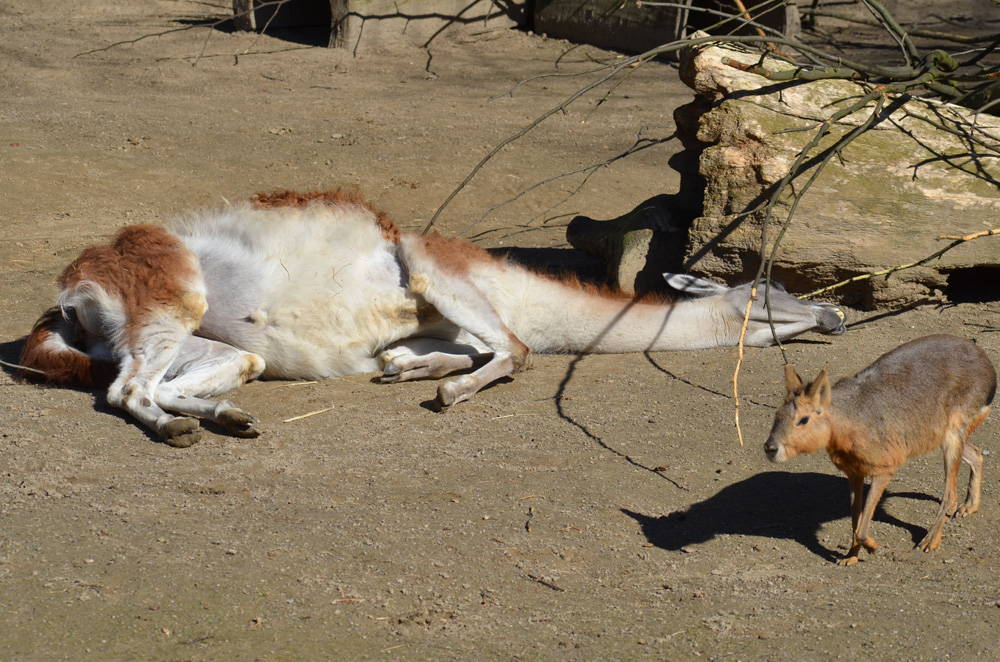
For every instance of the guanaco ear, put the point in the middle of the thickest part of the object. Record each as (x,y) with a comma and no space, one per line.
(819,391)
(792,379)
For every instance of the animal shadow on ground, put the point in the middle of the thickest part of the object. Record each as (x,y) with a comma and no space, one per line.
(775,504)
(10,353)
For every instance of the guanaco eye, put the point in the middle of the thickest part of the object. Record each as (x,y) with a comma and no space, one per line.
(803,420)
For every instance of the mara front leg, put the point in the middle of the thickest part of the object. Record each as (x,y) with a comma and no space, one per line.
(860,537)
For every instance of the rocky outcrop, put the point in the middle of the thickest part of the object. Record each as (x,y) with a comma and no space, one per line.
(925,170)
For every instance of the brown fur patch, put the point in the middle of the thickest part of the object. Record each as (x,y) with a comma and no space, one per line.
(455,255)
(65,366)
(146,268)
(606,292)
(458,256)
(337,198)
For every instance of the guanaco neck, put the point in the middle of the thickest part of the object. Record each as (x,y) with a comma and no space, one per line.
(563,316)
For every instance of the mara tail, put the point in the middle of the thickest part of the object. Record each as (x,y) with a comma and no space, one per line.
(51,354)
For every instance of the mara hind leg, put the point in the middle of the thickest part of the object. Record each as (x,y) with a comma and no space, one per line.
(431,358)
(973,456)
(440,271)
(953,446)
(204,368)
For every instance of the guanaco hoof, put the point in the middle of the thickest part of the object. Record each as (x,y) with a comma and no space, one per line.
(239,423)
(182,433)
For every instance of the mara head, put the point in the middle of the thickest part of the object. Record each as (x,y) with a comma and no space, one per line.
(791,316)
(802,423)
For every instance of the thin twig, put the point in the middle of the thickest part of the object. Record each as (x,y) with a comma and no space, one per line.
(312,413)
(739,361)
(639,145)
(210,25)
(744,14)
(546,583)
(23,367)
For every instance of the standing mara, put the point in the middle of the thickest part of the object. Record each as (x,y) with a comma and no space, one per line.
(927,394)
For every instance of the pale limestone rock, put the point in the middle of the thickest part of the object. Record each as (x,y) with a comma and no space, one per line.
(884,202)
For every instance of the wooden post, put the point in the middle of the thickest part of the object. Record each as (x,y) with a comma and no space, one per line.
(340,23)
(243,15)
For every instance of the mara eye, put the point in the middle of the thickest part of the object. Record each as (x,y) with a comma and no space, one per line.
(802,421)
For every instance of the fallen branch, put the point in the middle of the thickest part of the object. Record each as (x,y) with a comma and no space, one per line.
(970,237)
(958,240)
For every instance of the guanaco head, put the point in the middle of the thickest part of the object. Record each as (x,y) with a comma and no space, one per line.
(802,423)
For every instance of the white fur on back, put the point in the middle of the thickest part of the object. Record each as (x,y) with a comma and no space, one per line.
(313,291)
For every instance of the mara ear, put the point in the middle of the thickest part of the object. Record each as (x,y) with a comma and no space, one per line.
(819,391)
(693,285)
(792,379)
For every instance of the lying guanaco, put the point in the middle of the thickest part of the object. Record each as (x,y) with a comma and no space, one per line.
(926,394)
(317,285)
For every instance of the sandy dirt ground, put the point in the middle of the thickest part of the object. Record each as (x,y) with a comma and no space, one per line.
(590,508)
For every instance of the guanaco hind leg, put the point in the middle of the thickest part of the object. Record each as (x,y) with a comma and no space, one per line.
(430,358)
(440,272)
(145,356)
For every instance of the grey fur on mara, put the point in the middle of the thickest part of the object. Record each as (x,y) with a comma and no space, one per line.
(929,393)
(316,285)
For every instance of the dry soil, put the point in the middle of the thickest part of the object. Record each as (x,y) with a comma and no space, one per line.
(590,508)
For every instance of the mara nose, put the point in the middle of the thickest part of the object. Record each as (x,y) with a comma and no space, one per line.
(771,448)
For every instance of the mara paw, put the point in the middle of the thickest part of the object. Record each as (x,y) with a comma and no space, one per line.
(239,423)
(928,544)
(967,509)
(181,432)
(851,557)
